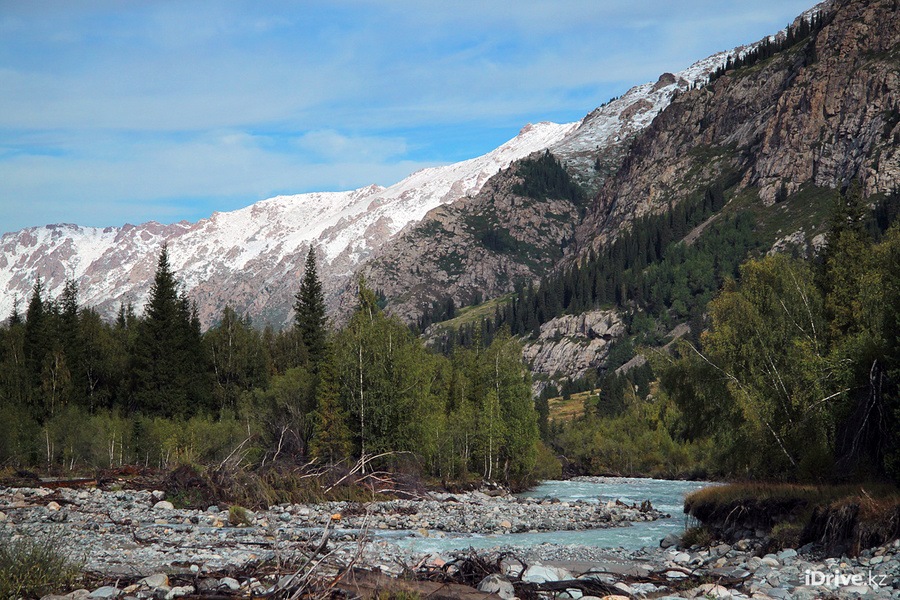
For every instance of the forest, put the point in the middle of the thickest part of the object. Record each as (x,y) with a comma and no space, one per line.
(789,372)
(793,375)
(77,392)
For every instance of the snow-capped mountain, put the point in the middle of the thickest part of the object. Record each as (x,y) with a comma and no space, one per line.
(252,258)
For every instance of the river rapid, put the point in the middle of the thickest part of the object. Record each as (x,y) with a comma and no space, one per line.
(665,495)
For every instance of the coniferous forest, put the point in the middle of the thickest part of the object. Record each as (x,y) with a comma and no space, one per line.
(78,392)
(789,371)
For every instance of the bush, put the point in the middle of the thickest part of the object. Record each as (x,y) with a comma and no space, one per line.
(238,515)
(696,536)
(34,567)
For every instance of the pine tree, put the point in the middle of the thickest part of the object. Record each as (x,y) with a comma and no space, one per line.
(169,366)
(309,308)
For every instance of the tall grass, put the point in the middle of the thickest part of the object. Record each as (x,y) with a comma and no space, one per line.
(34,567)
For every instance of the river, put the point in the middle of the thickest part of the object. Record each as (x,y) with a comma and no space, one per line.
(665,495)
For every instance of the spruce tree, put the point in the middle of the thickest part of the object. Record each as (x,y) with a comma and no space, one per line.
(309,307)
(169,370)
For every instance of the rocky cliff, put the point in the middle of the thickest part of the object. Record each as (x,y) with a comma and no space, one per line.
(822,112)
(570,346)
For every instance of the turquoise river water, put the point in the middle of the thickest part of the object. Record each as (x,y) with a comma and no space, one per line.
(667,496)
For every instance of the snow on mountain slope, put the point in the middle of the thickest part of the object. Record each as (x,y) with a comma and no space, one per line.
(602,137)
(249,258)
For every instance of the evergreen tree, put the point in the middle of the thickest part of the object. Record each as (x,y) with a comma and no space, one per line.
(331,435)
(309,309)
(169,367)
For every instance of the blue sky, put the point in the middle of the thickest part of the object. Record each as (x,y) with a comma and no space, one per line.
(115,112)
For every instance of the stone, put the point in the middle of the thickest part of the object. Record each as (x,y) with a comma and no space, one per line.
(230,583)
(3,516)
(163,505)
(670,541)
(154,581)
(495,584)
(505,524)
(158,495)
(105,592)
(59,516)
(675,575)
(541,574)
(53,506)
(179,591)
(786,554)
(711,590)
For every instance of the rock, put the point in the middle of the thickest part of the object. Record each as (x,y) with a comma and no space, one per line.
(675,575)
(53,506)
(495,584)
(105,592)
(670,541)
(541,574)
(179,591)
(681,558)
(230,583)
(711,590)
(59,516)
(786,554)
(163,505)
(154,581)
(505,524)
(3,516)
(158,495)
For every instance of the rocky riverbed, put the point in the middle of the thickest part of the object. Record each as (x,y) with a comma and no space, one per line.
(138,532)
(127,536)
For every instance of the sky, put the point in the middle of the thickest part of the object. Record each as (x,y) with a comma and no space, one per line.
(115,112)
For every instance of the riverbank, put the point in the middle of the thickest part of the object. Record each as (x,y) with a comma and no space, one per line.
(132,532)
(125,536)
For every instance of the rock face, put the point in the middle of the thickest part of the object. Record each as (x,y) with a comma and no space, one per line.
(480,246)
(570,346)
(822,112)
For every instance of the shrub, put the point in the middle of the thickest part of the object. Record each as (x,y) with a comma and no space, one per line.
(696,536)
(238,515)
(34,567)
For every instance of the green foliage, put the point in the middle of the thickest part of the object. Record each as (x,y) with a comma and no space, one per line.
(239,516)
(544,177)
(309,309)
(35,567)
(169,364)
(239,359)
(796,376)
(698,536)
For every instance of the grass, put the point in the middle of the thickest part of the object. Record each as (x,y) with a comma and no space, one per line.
(566,410)
(809,208)
(34,567)
(474,314)
(842,518)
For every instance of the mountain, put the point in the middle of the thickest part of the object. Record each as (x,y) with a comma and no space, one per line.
(819,110)
(778,129)
(250,258)
(485,244)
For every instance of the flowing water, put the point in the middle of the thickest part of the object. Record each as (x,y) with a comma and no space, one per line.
(667,496)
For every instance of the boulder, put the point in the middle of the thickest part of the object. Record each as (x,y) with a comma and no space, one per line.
(495,584)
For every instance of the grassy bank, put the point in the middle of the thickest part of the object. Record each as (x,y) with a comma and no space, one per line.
(841,519)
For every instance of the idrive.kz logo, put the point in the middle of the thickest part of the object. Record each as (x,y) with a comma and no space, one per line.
(838,578)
